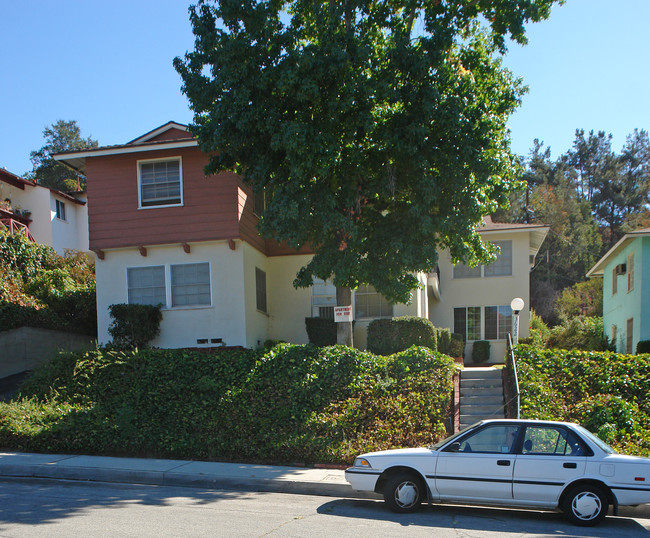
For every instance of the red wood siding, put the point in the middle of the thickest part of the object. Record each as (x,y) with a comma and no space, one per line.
(171,134)
(209,210)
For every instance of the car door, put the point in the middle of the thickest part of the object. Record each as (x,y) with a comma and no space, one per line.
(478,466)
(551,456)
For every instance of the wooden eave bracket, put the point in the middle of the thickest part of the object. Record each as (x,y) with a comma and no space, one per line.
(231,243)
(142,250)
(186,248)
(100,254)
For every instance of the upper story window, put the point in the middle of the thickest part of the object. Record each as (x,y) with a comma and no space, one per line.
(502,266)
(60,210)
(160,182)
(630,272)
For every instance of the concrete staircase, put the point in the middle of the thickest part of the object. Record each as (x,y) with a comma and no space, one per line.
(481,395)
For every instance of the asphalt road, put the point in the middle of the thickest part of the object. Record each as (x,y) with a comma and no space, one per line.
(30,508)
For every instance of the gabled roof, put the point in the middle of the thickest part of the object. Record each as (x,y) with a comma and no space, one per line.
(152,141)
(537,232)
(599,268)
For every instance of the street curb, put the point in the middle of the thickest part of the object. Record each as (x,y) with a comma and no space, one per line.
(174,474)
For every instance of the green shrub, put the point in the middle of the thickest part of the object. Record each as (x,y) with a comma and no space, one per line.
(480,351)
(321,331)
(283,405)
(388,336)
(607,392)
(643,346)
(444,341)
(134,325)
(538,332)
(457,345)
(586,333)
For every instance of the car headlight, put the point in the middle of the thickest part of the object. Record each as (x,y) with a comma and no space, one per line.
(362,462)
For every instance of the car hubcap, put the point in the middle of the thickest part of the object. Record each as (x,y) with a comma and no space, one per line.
(586,505)
(406,494)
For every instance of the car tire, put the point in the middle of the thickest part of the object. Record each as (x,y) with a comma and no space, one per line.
(404,492)
(585,505)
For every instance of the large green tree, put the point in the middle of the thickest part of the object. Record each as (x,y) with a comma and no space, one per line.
(59,137)
(377,129)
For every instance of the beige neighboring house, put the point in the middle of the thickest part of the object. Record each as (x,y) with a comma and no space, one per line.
(52,217)
(475,301)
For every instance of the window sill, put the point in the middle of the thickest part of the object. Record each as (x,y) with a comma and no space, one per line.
(187,307)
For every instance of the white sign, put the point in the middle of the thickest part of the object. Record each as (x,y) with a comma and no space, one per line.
(342,313)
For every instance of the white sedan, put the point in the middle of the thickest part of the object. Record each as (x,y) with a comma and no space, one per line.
(516,463)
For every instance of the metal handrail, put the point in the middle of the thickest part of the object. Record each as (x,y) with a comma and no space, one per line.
(514,374)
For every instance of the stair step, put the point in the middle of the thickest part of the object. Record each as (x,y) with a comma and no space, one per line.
(481,373)
(480,383)
(481,402)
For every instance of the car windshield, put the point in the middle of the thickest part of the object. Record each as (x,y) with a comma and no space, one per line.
(440,444)
(596,440)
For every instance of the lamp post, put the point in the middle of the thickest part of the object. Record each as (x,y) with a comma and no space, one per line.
(517,304)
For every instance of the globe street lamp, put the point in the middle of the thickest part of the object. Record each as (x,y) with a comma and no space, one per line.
(517,304)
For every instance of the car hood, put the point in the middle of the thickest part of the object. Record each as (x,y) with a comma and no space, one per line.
(399,452)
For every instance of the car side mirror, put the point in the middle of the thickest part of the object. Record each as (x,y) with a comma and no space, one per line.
(454,447)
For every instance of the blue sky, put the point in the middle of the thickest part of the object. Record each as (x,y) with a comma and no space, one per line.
(108,65)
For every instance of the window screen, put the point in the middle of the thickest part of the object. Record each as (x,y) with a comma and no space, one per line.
(160,183)
(146,285)
(190,284)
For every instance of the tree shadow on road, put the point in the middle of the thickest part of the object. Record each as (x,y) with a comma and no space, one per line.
(489,520)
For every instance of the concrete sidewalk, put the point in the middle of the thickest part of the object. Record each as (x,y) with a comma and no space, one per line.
(199,474)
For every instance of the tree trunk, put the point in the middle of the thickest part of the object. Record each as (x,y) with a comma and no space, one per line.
(344,329)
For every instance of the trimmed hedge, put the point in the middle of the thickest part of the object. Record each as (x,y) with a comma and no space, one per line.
(388,336)
(607,392)
(481,351)
(134,325)
(284,405)
(321,331)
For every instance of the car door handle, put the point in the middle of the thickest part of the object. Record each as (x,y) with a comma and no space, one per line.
(570,465)
(503,463)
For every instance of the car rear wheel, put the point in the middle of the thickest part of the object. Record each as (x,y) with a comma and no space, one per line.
(585,505)
(404,492)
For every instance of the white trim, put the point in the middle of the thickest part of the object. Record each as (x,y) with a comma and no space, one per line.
(120,150)
(180,172)
(162,129)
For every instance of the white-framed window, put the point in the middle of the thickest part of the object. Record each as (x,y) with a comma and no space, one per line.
(629,336)
(190,284)
(260,290)
(483,323)
(160,182)
(502,266)
(467,321)
(146,285)
(498,322)
(178,285)
(323,298)
(60,210)
(614,281)
(368,303)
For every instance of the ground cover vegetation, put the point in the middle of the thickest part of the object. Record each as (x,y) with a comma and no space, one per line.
(285,404)
(606,392)
(39,288)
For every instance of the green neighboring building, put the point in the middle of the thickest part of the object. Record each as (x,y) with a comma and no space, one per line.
(625,271)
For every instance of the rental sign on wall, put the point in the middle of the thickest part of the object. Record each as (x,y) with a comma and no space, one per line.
(342,313)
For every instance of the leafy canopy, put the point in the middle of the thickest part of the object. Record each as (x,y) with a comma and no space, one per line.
(59,137)
(377,130)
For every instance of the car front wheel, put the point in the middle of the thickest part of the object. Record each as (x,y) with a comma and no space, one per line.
(404,493)
(585,505)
